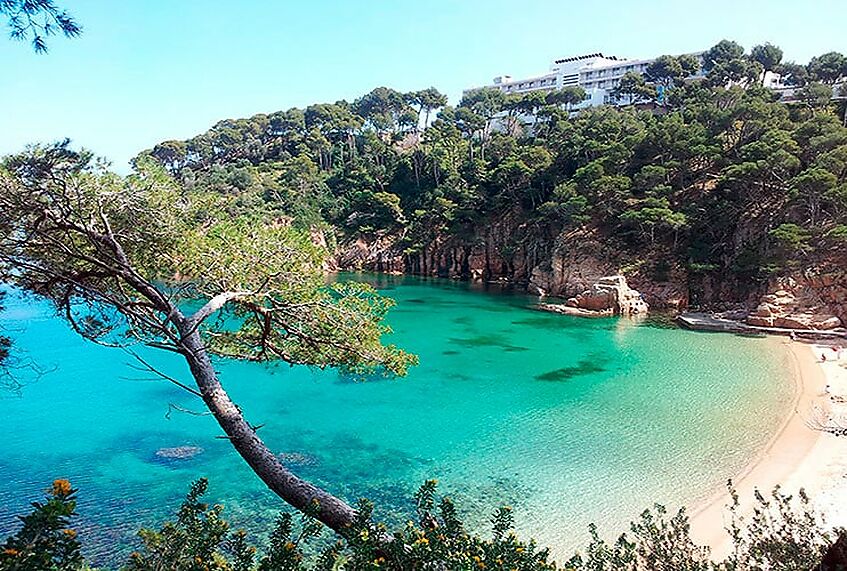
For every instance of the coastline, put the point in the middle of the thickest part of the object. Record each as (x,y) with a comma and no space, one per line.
(796,457)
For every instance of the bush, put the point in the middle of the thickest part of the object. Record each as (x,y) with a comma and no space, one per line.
(781,534)
(45,542)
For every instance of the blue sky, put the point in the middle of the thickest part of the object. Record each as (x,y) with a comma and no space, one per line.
(148,70)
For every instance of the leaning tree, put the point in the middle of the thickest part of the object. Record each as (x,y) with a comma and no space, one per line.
(137,261)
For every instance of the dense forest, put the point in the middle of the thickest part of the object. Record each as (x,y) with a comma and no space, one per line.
(715,180)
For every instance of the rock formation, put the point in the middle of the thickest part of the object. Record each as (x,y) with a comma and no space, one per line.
(571,262)
(798,309)
(610,295)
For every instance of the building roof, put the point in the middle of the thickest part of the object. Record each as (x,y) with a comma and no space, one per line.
(588,56)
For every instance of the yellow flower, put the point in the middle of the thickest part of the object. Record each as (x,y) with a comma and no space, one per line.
(519,549)
(69,532)
(289,546)
(364,534)
(10,551)
(61,488)
(422,541)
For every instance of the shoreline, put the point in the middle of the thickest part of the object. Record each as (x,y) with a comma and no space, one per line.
(796,457)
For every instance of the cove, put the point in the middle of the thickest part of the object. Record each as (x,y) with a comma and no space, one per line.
(568,420)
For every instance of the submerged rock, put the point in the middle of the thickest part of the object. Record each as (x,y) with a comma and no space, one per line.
(297,459)
(178,452)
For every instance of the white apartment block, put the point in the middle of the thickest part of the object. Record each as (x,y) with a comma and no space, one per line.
(597,74)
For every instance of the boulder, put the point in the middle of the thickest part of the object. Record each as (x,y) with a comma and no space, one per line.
(792,306)
(763,310)
(807,321)
(609,295)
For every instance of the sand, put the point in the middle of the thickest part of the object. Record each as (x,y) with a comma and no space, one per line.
(798,456)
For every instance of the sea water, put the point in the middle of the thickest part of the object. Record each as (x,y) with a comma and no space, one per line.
(568,420)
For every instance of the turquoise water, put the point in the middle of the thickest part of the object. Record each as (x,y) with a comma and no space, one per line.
(568,420)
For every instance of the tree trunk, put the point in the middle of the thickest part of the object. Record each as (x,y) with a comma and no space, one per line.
(332,511)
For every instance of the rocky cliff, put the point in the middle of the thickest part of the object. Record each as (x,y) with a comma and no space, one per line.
(572,262)
(561,266)
(813,299)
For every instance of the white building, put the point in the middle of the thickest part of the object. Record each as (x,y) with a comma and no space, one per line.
(597,74)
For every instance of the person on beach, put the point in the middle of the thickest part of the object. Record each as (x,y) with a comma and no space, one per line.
(792,335)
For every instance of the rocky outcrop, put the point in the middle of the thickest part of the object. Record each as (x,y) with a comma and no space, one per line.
(828,287)
(378,254)
(575,311)
(610,294)
(562,266)
(574,266)
(508,250)
(810,302)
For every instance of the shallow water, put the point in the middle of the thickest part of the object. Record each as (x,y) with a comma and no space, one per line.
(568,420)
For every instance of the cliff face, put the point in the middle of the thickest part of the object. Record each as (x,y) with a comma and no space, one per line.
(563,266)
(569,263)
(831,288)
(815,298)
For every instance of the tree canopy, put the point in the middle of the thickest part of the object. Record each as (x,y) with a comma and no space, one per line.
(703,183)
(140,261)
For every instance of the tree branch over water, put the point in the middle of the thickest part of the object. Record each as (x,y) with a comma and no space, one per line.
(122,259)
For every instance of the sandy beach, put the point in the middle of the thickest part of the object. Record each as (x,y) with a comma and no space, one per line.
(797,456)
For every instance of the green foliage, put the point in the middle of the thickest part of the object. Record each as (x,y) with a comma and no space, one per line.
(828,68)
(198,245)
(191,543)
(45,542)
(722,164)
(816,95)
(653,213)
(791,237)
(35,20)
(633,88)
(779,533)
(767,55)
